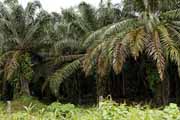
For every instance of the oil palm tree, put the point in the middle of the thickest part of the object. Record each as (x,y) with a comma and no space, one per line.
(152,28)
(70,32)
(23,33)
(66,51)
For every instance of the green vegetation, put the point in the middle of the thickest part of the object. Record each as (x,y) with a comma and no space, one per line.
(106,110)
(129,51)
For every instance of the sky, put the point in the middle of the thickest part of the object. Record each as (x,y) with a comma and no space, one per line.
(55,5)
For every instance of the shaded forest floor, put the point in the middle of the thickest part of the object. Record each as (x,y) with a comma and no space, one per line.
(31,109)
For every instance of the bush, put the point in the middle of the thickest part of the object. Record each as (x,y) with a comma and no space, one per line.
(106,110)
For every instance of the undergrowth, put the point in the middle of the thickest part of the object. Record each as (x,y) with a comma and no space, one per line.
(31,109)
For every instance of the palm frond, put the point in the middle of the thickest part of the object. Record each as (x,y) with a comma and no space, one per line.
(62,59)
(102,65)
(154,50)
(8,26)
(136,40)
(175,34)
(91,58)
(117,27)
(119,57)
(4,12)
(88,15)
(171,48)
(61,74)
(4,57)
(171,15)
(94,36)
(11,66)
(68,43)
(31,10)
(31,30)
(110,30)
(103,61)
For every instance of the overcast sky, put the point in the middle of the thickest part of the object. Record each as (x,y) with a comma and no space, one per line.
(55,5)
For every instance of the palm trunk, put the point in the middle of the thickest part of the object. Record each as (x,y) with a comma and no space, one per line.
(4,88)
(177,91)
(123,85)
(159,95)
(100,87)
(25,88)
(162,92)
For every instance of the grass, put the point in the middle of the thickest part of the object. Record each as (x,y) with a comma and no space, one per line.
(31,109)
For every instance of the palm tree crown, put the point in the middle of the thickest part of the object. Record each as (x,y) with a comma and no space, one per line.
(22,33)
(152,28)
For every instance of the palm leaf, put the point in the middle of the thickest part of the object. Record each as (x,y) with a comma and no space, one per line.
(63,44)
(118,27)
(11,66)
(30,11)
(62,59)
(154,50)
(119,56)
(61,74)
(91,58)
(4,57)
(102,61)
(94,36)
(172,49)
(136,40)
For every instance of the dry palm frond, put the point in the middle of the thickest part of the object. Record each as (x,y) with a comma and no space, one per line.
(136,40)
(119,57)
(154,50)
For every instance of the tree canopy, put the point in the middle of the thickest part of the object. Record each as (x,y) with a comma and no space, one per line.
(85,49)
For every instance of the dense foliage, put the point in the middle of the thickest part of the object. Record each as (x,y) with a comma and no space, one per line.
(129,50)
(106,110)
